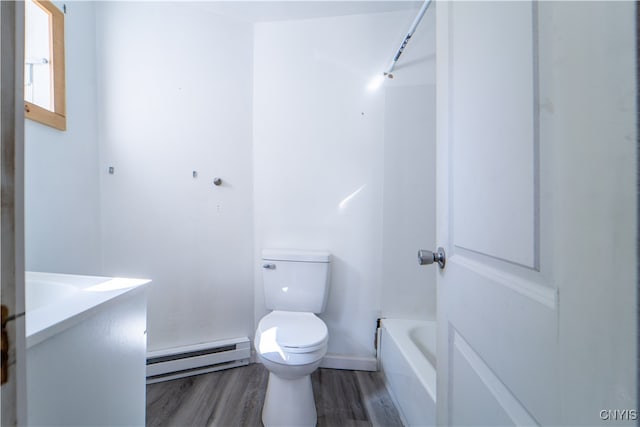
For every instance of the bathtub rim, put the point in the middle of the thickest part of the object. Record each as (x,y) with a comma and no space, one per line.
(398,330)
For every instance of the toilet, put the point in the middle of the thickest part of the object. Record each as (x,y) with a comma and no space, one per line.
(291,340)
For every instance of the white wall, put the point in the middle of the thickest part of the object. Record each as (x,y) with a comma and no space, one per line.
(319,146)
(409,289)
(61,184)
(175,95)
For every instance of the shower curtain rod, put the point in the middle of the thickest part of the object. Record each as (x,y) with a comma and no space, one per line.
(412,29)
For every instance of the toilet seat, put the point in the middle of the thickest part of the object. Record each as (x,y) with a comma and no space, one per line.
(291,337)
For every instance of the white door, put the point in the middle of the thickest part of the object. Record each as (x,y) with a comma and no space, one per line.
(536,209)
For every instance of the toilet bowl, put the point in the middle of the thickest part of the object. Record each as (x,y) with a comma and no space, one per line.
(291,340)
(291,346)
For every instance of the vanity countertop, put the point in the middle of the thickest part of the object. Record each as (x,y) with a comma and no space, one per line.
(55,302)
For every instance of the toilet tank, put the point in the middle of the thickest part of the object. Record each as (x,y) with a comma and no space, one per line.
(296,280)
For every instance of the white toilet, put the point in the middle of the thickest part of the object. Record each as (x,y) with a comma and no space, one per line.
(291,340)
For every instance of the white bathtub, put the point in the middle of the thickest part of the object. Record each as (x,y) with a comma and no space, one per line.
(86,350)
(408,361)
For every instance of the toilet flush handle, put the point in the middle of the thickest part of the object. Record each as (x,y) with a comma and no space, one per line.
(269,266)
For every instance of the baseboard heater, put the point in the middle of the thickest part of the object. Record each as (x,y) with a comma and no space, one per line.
(164,365)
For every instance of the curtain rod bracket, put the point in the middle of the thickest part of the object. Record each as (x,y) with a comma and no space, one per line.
(404,43)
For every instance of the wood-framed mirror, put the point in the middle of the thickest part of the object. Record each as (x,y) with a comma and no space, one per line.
(44,68)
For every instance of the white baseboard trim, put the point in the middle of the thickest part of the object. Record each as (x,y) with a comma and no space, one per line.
(352,363)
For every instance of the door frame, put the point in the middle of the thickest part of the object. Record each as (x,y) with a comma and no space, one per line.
(13,392)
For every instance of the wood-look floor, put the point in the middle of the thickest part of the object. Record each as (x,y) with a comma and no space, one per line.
(234,397)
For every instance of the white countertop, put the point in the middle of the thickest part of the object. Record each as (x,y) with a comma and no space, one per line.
(56,302)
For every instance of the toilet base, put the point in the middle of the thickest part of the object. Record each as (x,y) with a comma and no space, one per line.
(289,402)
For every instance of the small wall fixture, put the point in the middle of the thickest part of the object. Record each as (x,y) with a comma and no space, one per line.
(217,181)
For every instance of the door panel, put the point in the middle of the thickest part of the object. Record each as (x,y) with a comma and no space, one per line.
(494,179)
(473,381)
(497,301)
(512,333)
(536,208)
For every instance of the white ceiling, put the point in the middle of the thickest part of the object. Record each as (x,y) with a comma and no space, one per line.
(266,10)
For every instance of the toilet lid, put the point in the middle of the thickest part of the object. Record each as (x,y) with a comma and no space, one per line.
(295,332)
